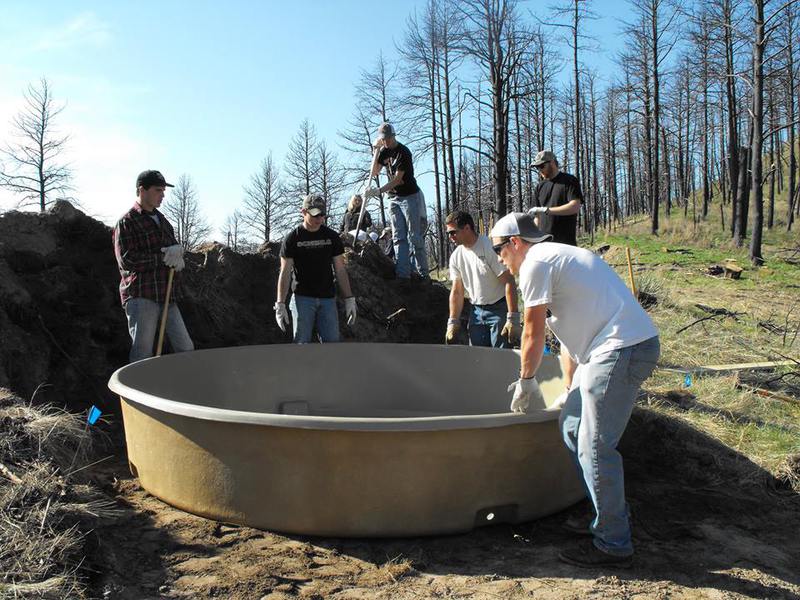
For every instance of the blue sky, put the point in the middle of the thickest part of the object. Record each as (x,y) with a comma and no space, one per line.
(203,88)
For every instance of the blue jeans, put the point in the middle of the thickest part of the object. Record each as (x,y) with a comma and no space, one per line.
(307,312)
(592,421)
(486,321)
(144,319)
(408,218)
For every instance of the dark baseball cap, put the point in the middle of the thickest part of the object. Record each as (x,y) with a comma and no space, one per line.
(150,178)
(314,204)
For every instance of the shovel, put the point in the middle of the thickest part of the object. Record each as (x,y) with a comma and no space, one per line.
(163,327)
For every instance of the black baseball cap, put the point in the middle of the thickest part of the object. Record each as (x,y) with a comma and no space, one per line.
(150,178)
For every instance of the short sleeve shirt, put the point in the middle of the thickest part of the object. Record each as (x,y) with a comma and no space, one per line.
(399,159)
(592,309)
(478,268)
(558,191)
(313,252)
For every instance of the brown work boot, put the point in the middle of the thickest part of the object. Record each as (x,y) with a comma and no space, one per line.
(579,524)
(586,554)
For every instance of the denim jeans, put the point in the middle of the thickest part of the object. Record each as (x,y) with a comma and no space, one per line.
(486,321)
(307,312)
(592,421)
(144,319)
(408,218)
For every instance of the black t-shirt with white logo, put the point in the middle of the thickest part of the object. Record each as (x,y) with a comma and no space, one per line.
(558,191)
(313,253)
(399,159)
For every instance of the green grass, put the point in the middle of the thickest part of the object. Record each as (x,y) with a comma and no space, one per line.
(675,267)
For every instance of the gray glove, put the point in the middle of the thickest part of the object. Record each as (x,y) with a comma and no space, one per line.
(533,211)
(372,192)
(513,328)
(281,315)
(526,395)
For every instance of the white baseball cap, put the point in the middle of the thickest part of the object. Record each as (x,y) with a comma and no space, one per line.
(519,224)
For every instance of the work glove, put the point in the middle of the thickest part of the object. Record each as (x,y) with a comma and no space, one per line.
(173,256)
(561,400)
(526,393)
(281,315)
(535,210)
(350,310)
(513,328)
(372,192)
(453,325)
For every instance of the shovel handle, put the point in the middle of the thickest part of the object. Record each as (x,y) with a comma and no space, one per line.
(163,326)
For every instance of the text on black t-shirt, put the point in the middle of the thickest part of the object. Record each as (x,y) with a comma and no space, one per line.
(313,252)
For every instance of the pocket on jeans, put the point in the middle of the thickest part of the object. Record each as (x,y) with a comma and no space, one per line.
(643,361)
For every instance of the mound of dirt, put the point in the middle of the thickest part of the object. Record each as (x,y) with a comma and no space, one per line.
(64,331)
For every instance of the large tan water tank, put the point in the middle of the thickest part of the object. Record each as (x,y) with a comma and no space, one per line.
(346,439)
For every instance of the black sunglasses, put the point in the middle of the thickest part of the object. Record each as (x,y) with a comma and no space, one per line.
(452,231)
(539,167)
(499,247)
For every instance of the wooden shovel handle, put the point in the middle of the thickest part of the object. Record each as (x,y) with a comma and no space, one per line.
(163,327)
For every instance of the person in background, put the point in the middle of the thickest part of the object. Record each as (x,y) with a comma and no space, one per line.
(557,201)
(616,346)
(406,203)
(310,255)
(146,250)
(494,319)
(350,220)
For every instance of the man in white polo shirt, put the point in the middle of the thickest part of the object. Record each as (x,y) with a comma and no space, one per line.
(615,345)
(494,319)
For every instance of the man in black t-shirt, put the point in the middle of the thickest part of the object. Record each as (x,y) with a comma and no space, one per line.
(557,200)
(310,254)
(406,203)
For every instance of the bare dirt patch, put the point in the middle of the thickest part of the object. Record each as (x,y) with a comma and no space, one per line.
(708,523)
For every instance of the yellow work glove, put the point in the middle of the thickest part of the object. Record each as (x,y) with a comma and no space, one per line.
(453,325)
(512,330)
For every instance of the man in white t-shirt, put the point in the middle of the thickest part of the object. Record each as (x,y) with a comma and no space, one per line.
(494,319)
(616,347)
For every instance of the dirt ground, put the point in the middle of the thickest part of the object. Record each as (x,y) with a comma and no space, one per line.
(708,523)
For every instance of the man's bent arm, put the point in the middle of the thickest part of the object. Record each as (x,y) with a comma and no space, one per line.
(573,207)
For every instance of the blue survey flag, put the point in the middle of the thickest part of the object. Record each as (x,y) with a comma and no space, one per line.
(687,381)
(94,414)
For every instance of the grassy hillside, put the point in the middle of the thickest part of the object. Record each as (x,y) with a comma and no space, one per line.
(757,319)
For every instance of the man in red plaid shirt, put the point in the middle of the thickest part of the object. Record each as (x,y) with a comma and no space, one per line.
(146,250)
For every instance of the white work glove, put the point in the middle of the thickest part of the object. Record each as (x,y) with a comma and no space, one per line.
(513,328)
(453,325)
(535,210)
(281,315)
(526,393)
(561,400)
(350,310)
(372,192)
(173,255)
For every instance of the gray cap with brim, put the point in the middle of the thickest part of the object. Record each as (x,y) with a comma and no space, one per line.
(521,225)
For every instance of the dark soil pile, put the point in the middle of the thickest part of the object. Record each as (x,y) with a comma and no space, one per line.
(61,323)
